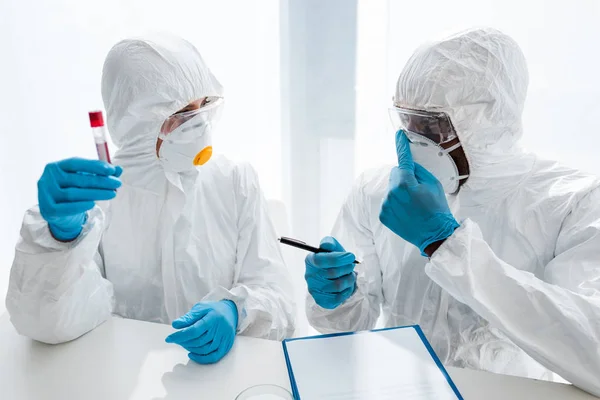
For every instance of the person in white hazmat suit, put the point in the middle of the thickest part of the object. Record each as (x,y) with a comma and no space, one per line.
(185,240)
(503,273)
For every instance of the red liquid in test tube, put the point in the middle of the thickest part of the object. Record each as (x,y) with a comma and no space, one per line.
(99,131)
(102,150)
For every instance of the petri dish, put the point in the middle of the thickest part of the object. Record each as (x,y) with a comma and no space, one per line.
(265,392)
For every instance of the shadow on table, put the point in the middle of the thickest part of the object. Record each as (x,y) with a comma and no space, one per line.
(177,383)
(250,362)
(195,381)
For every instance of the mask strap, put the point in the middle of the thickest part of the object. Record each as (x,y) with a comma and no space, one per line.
(452,148)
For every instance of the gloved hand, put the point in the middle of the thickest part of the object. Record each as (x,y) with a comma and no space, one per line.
(207,331)
(69,188)
(415,207)
(330,277)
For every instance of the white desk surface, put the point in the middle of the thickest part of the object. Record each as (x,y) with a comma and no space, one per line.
(129,360)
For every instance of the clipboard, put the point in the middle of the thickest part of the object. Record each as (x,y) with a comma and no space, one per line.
(385,333)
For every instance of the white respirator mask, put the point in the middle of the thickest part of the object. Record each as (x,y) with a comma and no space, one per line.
(426,131)
(437,160)
(187,137)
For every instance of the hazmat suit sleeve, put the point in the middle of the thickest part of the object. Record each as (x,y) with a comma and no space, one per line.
(262,289)
(556,320)
(56,291)
(361,311)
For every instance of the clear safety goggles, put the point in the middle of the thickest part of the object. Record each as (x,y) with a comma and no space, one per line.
(435,126)
(210,106)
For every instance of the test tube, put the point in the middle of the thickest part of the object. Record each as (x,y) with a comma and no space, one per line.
(99,131)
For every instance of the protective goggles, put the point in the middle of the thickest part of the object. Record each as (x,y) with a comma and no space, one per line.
(435,126)
(210,107)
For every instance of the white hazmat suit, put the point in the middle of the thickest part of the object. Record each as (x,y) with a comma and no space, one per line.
(168,240)
(515,289)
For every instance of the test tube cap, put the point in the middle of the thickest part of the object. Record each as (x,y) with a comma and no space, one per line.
(96,119)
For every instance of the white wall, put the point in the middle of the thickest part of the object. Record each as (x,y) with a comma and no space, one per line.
(559,40)
(52,55)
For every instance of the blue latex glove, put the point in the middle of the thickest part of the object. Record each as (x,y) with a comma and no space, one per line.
(207,331)
(330,277)
(69,188)
(415,207)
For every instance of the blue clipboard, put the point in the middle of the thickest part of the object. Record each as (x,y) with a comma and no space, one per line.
(415,327)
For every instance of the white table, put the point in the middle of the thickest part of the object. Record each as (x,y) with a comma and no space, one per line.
(129,360)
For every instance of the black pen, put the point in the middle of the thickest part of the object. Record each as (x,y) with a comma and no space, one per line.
(301,245)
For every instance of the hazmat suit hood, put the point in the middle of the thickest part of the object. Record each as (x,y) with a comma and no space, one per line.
(144,81)
(479,78)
